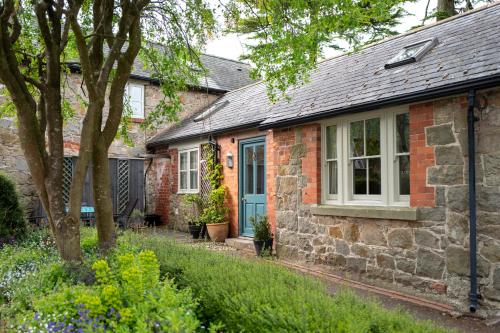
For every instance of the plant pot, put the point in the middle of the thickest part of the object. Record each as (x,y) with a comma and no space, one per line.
(261,245)
(194,230)
(218,231)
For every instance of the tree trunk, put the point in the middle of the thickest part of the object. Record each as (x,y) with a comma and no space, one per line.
(102,198)
(67,236)
(445,9)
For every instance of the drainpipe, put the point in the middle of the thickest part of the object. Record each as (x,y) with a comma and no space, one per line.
(471,119)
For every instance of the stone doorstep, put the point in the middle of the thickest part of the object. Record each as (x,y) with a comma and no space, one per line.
(444,308)
(241,243)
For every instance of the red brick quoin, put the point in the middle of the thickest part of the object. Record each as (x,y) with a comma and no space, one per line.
(421,156)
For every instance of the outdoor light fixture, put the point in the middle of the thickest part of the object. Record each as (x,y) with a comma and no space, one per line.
(229,160)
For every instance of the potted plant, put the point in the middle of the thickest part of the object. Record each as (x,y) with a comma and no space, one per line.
(193,204)
(215,215)
(136,220)
(263,238)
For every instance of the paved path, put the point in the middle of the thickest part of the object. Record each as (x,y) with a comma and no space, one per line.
(466,324)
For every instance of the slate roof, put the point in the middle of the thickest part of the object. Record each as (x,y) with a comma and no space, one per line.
(467,54)
(222,74)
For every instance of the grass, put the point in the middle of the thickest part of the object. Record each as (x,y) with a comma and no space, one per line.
(240,294)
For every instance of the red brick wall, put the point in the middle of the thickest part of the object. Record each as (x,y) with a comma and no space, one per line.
(311,163)
(421,156)
(165,173)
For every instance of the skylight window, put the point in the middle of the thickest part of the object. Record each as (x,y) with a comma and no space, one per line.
(411,53)
(210,110)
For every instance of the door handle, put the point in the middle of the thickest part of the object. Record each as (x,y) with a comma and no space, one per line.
(243,200)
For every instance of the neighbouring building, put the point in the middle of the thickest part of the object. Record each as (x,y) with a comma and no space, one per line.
(366,167)
(127,162)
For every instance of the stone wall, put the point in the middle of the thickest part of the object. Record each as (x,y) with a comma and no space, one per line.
(427,256)
(12,161)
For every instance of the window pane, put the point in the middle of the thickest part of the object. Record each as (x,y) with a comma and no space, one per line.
(402,133)
(183,161)
(183,180)
(357,138)
(259,151)
(135,93)
(404,175)
(359,174)
(193,180)
(332,178)
(374,176)
(193,160)
(248,176)
(331,142)
(373,136)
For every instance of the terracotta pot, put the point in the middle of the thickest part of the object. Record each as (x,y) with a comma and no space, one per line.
(218,231)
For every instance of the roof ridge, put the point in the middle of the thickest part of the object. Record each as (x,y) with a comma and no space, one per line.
(224,58)
(418,29)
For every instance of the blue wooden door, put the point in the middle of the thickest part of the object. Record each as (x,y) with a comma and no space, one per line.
(252,183)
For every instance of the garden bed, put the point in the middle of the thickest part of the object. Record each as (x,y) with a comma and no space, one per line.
(232,294)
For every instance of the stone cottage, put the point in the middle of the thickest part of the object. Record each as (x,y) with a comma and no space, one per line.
(367,168)
(127,162)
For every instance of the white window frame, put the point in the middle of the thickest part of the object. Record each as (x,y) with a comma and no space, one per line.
(127,95)
(188,170)
(389,181)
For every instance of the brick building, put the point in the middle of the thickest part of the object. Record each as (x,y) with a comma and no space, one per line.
(127,161)
(366,168)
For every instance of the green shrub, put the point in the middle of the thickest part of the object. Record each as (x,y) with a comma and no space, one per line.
(260,296)
(261,228)
(128,296)
(12,219)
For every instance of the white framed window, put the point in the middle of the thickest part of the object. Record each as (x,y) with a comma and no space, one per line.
(188,170)
(365,159)
(134,95)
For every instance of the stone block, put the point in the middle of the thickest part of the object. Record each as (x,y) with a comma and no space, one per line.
(439,135)
(492,169)
(488,198)
(488,218)
(305,226)
(286,185)
(457,227)
(492,231)
(400,237)
(445,175)
(341,247)
(285,251)
(449,155)
(491,250)
(360,250)
(457,262)
(372,234)
(491,293)
(304,243)
(298,151)
(440,196)
(426,238)
(385,261)
(380,273)
(457,198)
(335,259)
(406,265)
(496,278)
(356,264)
(287,220)
(335,232)
(350,232)
(431,214)
(430,264)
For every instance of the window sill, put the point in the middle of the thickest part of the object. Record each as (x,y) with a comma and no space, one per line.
(387,213)
(137,120)
(188,192)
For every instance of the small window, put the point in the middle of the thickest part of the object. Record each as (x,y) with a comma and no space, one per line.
(134,95)
(411,53)
(188,171)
